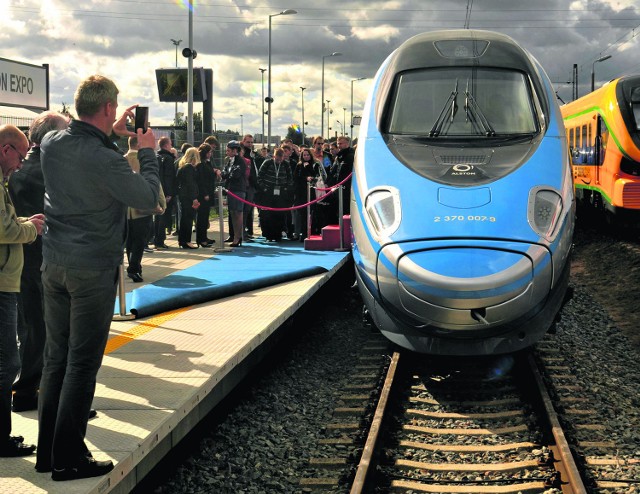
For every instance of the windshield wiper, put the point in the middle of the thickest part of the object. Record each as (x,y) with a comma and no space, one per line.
(448,110)
(476,115)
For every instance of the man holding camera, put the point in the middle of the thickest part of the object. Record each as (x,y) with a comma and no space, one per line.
(89,185)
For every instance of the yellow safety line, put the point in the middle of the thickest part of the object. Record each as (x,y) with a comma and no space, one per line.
(140,330)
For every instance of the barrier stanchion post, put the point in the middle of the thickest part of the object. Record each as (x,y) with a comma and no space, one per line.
(222,248)
(308,209)
(122,296)
(340,220)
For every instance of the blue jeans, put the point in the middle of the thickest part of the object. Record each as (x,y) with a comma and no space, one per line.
(79,307)
(9,357)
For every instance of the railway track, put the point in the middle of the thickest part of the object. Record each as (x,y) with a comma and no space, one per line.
(340,444)
(484,427)
(609,464)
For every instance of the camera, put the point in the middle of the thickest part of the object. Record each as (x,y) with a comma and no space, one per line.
(142,118)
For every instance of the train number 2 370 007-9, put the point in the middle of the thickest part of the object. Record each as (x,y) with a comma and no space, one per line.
(460,218)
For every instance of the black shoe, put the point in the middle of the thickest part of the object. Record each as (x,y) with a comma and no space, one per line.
(228,240)
(136,277)
(90,468)
(161,246)
(211,242)
(24,403)
(188,246)
(204,245)
(93,413)
(148,250)
(13,447)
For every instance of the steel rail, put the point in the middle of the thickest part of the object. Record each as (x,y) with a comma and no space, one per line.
(567,466)
(362,471)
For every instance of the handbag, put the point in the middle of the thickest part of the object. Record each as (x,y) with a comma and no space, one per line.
(320,185)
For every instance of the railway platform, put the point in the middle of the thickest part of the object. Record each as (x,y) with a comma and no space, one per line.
(204,319)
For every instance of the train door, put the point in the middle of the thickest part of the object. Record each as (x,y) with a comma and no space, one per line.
(594,139)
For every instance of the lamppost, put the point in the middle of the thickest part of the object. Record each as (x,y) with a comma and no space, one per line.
(593,68)
(262,71)
(241,126)
(341,127)
(344,119)
(328,110)
(269,99)
(352,81)
(177,43)
(334,54)
(302,96)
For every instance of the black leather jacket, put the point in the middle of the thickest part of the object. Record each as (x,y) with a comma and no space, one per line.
(234,174)
(89,185)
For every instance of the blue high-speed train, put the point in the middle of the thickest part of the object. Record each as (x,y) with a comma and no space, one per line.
(462,207)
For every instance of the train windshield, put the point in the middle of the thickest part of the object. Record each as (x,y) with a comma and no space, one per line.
(635,106)
(462,102)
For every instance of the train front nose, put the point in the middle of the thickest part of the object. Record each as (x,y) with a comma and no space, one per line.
(464,287)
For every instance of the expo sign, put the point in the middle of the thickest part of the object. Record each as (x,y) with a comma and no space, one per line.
(24,85)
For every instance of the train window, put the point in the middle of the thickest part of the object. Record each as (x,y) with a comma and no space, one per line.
(571,142)
(584,136)
(635,105)
(462,102)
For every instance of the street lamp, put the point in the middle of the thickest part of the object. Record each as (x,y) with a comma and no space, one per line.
(593,68)
(241,126)
(269,99)
(328,110)
(177,43)
(344,119)
(334,54)
(302,95)
(262,71)
(352,81)
(341,127)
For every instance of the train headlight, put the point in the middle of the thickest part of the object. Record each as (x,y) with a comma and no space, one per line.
(545,206)
(383,210)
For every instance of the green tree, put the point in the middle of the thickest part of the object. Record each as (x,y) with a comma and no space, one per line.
(66,110)
(180,121)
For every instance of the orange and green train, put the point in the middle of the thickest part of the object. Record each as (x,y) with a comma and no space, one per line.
(603,133)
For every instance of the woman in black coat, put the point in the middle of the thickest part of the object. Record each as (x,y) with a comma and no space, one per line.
(187,178)
(306,171)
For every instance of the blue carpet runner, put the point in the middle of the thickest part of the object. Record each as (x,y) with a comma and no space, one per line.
(253,265)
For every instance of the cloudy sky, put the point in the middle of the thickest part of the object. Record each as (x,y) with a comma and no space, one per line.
(127,40)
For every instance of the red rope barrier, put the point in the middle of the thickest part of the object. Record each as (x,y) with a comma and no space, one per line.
(331,190)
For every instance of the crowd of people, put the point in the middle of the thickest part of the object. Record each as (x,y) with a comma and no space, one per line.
(71,201)
(276,182)
(284,182)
